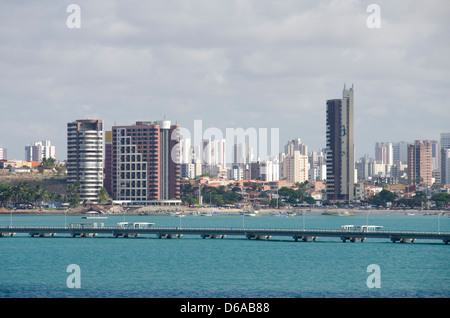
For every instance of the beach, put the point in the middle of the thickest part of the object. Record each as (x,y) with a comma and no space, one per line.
(161,210)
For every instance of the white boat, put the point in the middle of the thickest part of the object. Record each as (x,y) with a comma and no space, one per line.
(93,215)
(252,213)
(213,213)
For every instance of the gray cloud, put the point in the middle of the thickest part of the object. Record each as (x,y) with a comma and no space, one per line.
(230,63)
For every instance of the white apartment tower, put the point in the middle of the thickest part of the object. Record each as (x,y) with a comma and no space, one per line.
(37,151)
(295,167)
(3,153)
(85,157)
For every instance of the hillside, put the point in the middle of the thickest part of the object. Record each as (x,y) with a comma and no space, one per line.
(47,179)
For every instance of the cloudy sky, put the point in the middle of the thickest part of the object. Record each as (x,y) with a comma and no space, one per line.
(230,63)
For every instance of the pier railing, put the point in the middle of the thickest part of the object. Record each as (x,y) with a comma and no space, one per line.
(213,232)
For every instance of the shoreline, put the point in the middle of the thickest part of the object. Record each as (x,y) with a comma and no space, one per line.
(168,211)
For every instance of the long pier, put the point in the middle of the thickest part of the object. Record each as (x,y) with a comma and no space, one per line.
(222,232)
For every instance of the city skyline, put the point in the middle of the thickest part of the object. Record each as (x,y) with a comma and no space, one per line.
(234,64)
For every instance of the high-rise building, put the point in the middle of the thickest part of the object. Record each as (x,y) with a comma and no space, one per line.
(37,151)
(445,140)
(145,161)
(400,150)
(269,170)
(420,165)
(3,154)
(296,167)
(186,153)
(445,165)
(435,154)
(444,162)
(107,182)
(340,147)
(214,152)
(242,154)
(294,145)
(85,157)
(384,153)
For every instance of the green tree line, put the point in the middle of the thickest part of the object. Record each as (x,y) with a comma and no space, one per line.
(25,193)
(220,195)
(211,195)
(420,198)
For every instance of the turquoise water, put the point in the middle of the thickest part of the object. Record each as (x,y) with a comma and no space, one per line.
(232,267)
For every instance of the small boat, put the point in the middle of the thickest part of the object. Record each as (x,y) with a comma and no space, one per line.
(209,213)
(344,213)
(410,214)
(178,214)
(251,213)
(94,215)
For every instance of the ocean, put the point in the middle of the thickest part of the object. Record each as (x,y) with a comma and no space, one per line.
(233,267)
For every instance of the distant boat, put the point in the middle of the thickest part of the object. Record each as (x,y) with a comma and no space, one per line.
(178,214)
(209,213)
(410,214)
(93,215)
(344,213)
(326,213)
(252,213)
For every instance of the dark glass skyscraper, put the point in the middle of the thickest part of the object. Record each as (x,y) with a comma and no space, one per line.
(340,148)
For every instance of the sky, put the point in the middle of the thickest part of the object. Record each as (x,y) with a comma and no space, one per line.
(229,63)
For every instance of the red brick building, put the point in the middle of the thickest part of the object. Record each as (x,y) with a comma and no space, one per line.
(143,162)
